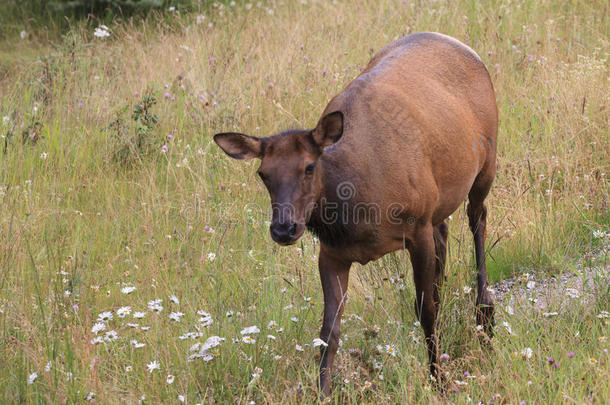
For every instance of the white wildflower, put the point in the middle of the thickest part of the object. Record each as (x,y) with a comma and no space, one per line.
(136,344)
(98,327)
(212,342)
(101,32)
(319,342)
(248,339)
(206,319)
(111,335)
(97,340)
(549,314)
(32,377)
(152,366)
(128,289)
(250,330)
(176,316)
(391,350)
(104,316)
(123,312)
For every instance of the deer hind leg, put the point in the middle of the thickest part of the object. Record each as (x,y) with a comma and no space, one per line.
(477,219)
(441,231)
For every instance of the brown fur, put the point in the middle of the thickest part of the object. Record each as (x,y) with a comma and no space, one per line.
(395,154)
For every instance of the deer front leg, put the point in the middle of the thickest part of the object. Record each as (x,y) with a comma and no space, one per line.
(334,274)
(423,259)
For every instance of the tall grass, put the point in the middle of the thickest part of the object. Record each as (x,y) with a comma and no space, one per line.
(77,225)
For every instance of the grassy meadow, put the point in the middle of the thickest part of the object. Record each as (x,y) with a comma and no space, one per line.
(128,239)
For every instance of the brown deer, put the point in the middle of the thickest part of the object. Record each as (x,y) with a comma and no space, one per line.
(394,154)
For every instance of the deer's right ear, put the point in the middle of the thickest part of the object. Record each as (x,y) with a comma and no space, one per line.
(240,146)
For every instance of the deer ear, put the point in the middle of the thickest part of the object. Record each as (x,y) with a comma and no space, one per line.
(329,129)
(240,146)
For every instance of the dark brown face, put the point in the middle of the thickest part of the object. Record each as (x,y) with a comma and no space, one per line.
(288,170)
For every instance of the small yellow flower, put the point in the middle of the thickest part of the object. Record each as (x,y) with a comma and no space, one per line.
(592,360)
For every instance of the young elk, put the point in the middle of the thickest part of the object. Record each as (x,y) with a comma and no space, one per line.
(394,154)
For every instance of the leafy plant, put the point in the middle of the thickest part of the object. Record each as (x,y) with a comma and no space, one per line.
(32,133)
(101,7)
(132,139)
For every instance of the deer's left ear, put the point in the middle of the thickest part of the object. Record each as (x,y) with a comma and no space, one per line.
(329,130)
(240,146)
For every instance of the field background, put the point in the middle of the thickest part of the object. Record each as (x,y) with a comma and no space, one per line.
(109,179)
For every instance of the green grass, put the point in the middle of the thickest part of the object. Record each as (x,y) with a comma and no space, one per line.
(77,224)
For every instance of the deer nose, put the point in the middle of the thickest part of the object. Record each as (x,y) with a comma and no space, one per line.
(284,232)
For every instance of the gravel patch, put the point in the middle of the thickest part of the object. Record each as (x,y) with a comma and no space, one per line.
(552,294)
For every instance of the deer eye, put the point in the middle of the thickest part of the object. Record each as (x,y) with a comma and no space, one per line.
(262,175)
(309,169)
